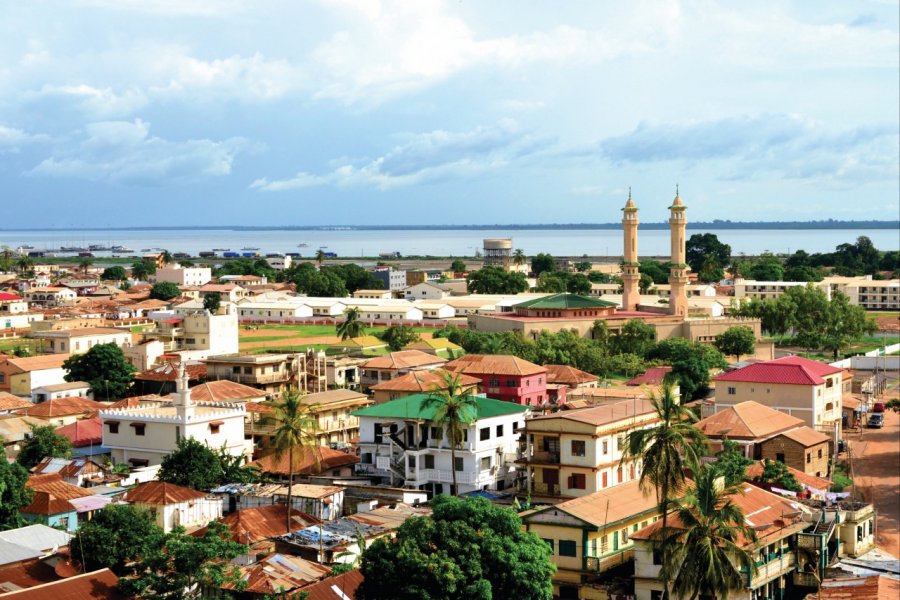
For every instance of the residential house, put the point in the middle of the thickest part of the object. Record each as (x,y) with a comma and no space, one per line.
(338,587)
(803,448)
(80,472)
(570,377)
(51,297)
(591,535)
(321,460)
(69,389)
(86,437)
(394,364)
(324,502)
(10,403)
(262,523)
(807,389)
(343,371)
(63,411)
(374,294)
(12,304)
(579,452)
(359,344)
(424,291)
(438,346)
(271,373)
(20,376)
(390,312)
(47,509)
(162,378)
(877,587)
(228,292)
(272,309)
(279,263)
(652,376)
(505,377)
(76,341)
(196,334)
(422,382)
(333,409)
(435,310)
(144,435)
(402,444)
(277,574)
(746,424)
(391,279)
(179,275)
(15,430)
(175,506)
(86,586)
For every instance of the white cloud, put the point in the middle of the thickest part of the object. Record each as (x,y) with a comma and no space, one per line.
(12,139)
(191,8)
(427,157)
(124,152)
(96,102)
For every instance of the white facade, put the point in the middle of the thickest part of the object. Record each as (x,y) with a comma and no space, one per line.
(199,332)
(279,263)
(19,320)
(194,513)
(78,389)
(390,313)
(275,309)
(184,275)
(424,291)
(51,297)
(76,341)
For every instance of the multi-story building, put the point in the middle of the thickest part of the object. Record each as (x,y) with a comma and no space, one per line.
(51,297)
(505,377)
(279,263)
(196,334)
(422,382)
(807,389)
(20,376)
(391,279)
(873,295)
(389,366)
(68,389)
(76,341)
(400,443)
(333,409)
(272,373)
(12,304)
(579,452)
(862,291)
(184,275)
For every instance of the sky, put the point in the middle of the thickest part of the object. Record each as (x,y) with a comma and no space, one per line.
(339,112)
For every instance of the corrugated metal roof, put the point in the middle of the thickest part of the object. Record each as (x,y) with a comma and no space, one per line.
(341,587)
(160,492)
(789,370)
(747,420)
(423,381)
(252,525)
(41,538)
(98,585)
(403,359)
(493,364)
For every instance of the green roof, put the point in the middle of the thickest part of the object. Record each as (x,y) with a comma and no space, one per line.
(411,407)
(562,301)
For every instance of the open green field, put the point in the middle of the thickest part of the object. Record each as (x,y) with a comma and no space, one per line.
(320,330)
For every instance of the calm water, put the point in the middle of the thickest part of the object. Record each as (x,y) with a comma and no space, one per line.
(443,243)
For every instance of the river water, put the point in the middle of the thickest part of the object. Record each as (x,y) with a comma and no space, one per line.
(449,242)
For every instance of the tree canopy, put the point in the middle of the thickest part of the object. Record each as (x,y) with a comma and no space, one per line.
(164,290)
(776,473)
(192,464)
(44,443)
(399,336)
(114,274)
(731,463)
(116,535)
(142,269)
(542,263)
(469,548)
(735,341)
(458,266)
(494,280)
(212,302)
(13,493)
(702,249)
(691,363)
(104,368)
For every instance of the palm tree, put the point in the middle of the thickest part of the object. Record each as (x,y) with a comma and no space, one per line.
(665,449)
(24,263)
(454,409)
(519,257)
(351,326)
(85,264)
(708,545)
(320,257)
(166,257)
(295,426)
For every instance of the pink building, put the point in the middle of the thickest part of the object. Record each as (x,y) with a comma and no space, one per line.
(507,377)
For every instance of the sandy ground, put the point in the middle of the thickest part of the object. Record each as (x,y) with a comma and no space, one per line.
(876,466)
(888,323)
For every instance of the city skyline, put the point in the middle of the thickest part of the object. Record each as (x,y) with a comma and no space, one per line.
(329,113)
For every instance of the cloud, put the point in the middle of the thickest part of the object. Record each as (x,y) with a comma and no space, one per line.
(791,145)
(426,158)
(12,139)
(124,152)
(183,8)
(97,102)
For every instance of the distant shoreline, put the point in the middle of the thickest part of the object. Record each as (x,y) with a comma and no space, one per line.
(720,225)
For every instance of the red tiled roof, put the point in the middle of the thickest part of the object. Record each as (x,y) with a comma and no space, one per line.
(493,364)
(790,370)
(136,401)
(83,433)
(38,363)
(160,492)
(806,436)
(568,375)
(252,525)
(52,483)
(652,376)
(169,372)
(422,381)
(872,587)
(278,573)
(61,407)
(8,296)
(305,463)
(45,503)
(403,359)
(10,402)
(340,587)
(747,420)
(224,391)
(27,574)
(98,585)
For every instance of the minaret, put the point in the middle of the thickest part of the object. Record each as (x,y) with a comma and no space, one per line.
(678,304)
(631,276)
(184,407)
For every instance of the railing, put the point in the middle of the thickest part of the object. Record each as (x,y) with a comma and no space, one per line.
(547,458)
(804,579)
(251,379)
(444,476)
(777,563)
(550,489)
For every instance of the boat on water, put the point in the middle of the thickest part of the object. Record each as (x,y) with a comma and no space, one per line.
(122,249)
(303,245)
(72,249)
(221,249)
(249,248)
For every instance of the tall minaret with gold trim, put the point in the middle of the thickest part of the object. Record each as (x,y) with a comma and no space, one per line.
(631,276)
(678,279)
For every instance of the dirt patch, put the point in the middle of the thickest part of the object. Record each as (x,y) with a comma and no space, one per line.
(290,339)
(888,323)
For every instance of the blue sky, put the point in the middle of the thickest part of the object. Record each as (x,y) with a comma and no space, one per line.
(130,112)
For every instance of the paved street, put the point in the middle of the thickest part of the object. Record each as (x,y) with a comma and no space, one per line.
(876,465)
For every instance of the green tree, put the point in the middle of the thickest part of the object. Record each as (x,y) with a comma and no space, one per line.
(469,548)
(635,337)
(399,336)
(324,283)
(578,284)
(6,258)
(114,538)
(598,277)
(458,266)
(114,274)
(767,268)
(626,363)
(776,473)
(164,290)
(24,264)
(454,409)
(355,277)
(142,269)
(711,271)
(691,363)
(295,426)
(104,368)
(645,283)
(707,554)
(803,273)
(657,271)
(212,301)
(351,326)
(700,248)
(184,565)
(551,282)
(735,341)
(320,257)
(665,449)
(584,266)
(731,463)
(44,443)
(166,257)
(519,257)
(845,323)
(494,280)
(192,464)
(84,264)
(235,469)
(13,493)
(542,263)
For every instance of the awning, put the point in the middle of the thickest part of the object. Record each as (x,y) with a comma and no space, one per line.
(216,423)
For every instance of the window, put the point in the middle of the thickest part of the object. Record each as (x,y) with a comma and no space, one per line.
(577,481)
(549,543)
(567,548)
(551,444)
(808,457)
(63,522)
(429,461)
(499,430)
(139,428)
(657,557)
(236,370)
(871,526)
(113,426)
(411,462)
(578,448)
(732,391)
(486,463)
(484,433)
(515,426)
(458,464)
(779,457)
(625,536)
(437,433)
(510,383)
(605,446)
(493,382)
(214,428)
(620,441)
(604,544)
(820,453)
(605,480)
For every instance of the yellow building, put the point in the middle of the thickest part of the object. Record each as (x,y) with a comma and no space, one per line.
(591,535)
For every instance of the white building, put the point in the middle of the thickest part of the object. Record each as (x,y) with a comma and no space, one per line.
(184,275)
(78,389)
(175,506)
(51,297)
(76,341)
(143,436)
(425,291)
(196,334)
(279,263)
(400,443)
(273,309)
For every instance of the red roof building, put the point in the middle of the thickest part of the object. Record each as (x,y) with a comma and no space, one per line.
(308,461)
(97,585)
(507,377)
(86,432)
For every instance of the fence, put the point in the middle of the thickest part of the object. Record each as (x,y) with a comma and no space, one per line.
(870,360)
(427,323)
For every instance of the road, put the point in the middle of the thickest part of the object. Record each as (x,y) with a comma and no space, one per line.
(876,471)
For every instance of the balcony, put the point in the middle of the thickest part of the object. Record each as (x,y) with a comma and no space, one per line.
(856,511)
(544,458)
(446,476)
(547,489)
(261,379)
(338,424)
(775,565)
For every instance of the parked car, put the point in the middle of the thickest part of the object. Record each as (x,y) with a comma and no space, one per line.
(878,407)
(876,420)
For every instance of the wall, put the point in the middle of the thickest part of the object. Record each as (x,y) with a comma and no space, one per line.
(795,455)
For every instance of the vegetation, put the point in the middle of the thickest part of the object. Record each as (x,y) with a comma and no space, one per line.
(494,280)
(559,282)
(116,273)
(840,478)
(44,443)
(142,269)
(295,428)
(164,290)
(454,409)
(691,363)
(483,553)
(736,341)
(399,336)
(247,266)
(104,368)
(13,493)
(114,538)
(777,474)
(731,463)
(542,263)
(707,256)
(192,465)
(458,266)
(212,302)
(351,326)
